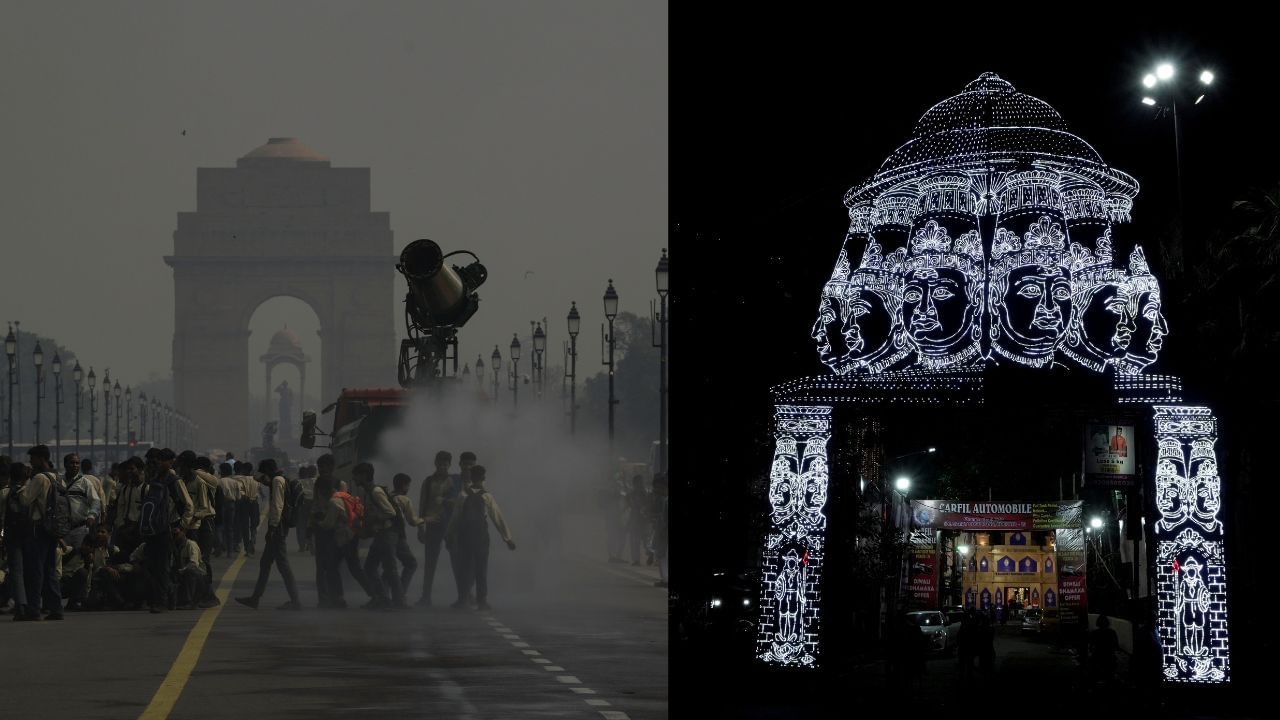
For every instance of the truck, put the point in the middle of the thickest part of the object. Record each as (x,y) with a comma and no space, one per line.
(360,416)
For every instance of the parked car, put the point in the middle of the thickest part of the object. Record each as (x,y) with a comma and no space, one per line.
(940,630)
(1031,620)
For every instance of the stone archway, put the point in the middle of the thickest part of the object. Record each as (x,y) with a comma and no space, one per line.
(280,223)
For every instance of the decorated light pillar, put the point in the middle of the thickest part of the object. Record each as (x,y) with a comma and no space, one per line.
(1191,567)
(791,595)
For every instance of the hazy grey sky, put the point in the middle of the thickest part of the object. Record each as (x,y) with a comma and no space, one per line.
(532,133)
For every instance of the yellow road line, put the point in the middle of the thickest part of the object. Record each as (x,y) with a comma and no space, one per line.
(171,689)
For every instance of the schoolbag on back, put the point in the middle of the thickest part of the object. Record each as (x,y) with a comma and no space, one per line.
(17,520)
(153,518)
(57,511)
(399,522)
(292,503)
(355,517)
(472,519)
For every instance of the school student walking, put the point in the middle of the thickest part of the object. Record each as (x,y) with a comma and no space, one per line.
(468,535)
(404,517)
(380,517)
(275,550)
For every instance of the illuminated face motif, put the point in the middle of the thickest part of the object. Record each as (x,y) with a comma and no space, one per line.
(936,309)
(826,332)
(872,329)
(1148,327)
(1205,485)
(1035,308)
(1104,335)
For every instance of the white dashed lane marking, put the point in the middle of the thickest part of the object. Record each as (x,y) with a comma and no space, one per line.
(573,683)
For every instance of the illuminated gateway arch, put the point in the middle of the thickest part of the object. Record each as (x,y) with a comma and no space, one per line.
(985,242)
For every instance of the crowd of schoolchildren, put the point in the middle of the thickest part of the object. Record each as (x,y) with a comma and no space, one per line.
(147,534)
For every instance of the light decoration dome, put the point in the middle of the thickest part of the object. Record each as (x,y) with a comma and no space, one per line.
(985,239)
(992,126)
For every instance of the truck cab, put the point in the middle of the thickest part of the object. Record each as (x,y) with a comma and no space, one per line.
(360,416)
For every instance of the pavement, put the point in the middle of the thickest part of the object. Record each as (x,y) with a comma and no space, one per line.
(1022,662)
(569,636)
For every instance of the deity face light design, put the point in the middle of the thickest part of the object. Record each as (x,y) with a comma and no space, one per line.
(872,329)
(1147,324)
(827,332)
(1205,485)
(1104,335)
(1035,308)
(936,309)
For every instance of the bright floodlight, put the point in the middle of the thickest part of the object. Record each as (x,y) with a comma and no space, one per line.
(1206,77)
(903,483)
(1199,99)
(1149,80)
(1148,101)
(933,449)
(963,549)
(1095,521)
(1164,71)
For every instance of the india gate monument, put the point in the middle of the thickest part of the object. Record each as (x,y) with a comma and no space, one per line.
(282,222)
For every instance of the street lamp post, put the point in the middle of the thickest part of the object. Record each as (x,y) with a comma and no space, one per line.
(106,415)
(17,374)
(93,408)
(480,372)
(168,426)
(57,405)
(660,273)
(539,346)
(142,416)
(38,357)
(610,312)
(77,375)
(515,374)
(1164,89)
(496,364)
(11,350)
(128,414)
(155,421)
(116,391)
(575,324)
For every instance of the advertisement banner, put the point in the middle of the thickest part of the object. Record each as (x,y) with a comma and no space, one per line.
(1072,600)
(1109,456)
(922,593)
(949,515)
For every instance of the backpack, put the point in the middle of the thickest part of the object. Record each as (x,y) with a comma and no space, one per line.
(57,511)
(355,517)
(17,521)
(292,503)
(472,521)
(153,517)
(399,522)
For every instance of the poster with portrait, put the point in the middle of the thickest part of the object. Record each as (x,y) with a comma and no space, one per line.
(1109,455)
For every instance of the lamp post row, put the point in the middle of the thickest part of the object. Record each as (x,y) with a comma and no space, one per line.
(185,428)
(658,312)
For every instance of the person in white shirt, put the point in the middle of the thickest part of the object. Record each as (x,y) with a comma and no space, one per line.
(86,499)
